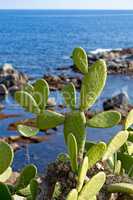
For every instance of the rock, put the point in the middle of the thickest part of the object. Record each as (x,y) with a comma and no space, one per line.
(119,101)
(58,82)
(119,61)
(12,78)
(3,90)
(1,106)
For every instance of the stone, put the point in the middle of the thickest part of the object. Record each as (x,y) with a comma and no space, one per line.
(3,90)
(10,77)
(119,101)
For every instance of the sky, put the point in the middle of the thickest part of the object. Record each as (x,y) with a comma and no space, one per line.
(66,4)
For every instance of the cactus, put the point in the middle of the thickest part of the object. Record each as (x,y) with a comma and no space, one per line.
(73,152)
(92,187)
(80,59)
(28,173)
(69,93)
(127,163)
(57,191)
(34,188)
(121,187)
(82,174)
(27,101)
(75,123)
(28,88)
(4,192)
(49,119)
(73,195)
(104,120)
(129,120)
(6,157)
(27,131)
(115,144)
(118,166)
(95,154)
(41,93)
(6,175)
(93,84)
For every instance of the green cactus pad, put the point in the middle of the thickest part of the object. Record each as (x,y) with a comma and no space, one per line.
(4,192)
(92,187)
(117,169)
(27,174)
(121,187)
(27,101)
(82,174)
(80,59)
(89,144)
(93,84)
(6,156)
(28,88)
(75,124)
(130,149)
(27,131)
(49,120)
(69,93)
(73,151)
(6,175)
(127,163)
(73,195)
(41,93)
(34,188)
(57,191)
(129,120)
(95,153)
(104,120)
(115,144)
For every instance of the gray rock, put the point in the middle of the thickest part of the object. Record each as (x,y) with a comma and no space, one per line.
(119,101)
(12,78)
(3,90)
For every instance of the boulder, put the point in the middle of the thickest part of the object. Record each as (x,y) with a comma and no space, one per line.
(10,77)
(3,90)
(119,101)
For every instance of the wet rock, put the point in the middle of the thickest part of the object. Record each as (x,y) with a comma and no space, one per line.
(3,90)
(119,101)
(58,82)
(12,78)
(1,106)
(119,61)
(51,102)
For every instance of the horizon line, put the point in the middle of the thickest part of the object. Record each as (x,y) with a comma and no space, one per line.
(102,9)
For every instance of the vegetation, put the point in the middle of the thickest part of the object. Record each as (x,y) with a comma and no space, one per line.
(83,155)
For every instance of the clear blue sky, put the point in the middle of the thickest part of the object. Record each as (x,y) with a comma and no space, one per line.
(66,4)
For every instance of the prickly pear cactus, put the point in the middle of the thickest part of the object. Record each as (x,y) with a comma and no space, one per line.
(92,187)
(95,154)
(49,119)
(4,192)
(27,131)
(75,123)
(27,101)
(93,84)
(104,120)
(6,156)
(129,120)
(69,93)
(80,59)
(41,93)
(28,173)
(82,174)
(73,151)
(73,195)
(121,187)
(115,144)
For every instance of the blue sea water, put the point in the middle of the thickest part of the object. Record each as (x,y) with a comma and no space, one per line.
(38,41)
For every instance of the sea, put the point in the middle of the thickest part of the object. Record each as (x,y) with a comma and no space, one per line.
(37,42)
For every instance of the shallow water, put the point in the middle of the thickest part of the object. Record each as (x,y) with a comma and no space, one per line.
(37,42)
